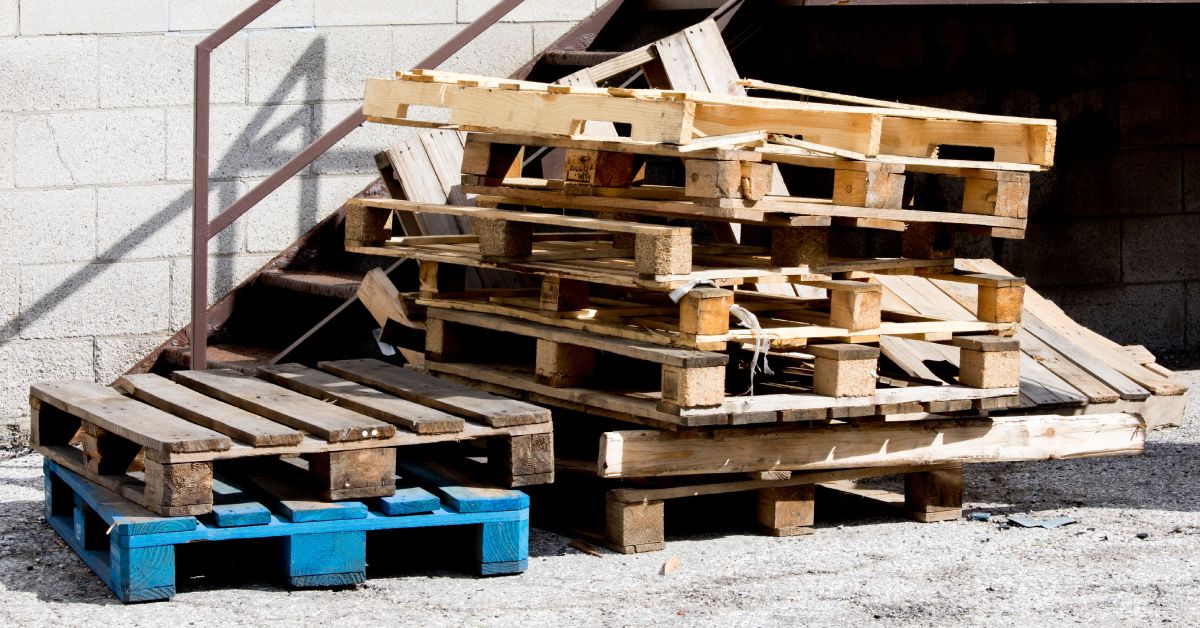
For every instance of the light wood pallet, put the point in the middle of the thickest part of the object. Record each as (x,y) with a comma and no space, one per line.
(158,445)
(317,544)
(609,175)
(478,102)
(667,386)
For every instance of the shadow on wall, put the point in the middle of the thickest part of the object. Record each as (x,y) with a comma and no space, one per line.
(268,155)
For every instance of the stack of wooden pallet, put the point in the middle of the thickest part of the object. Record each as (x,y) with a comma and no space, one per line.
(649,266)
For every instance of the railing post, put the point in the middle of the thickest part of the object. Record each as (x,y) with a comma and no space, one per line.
(203,229)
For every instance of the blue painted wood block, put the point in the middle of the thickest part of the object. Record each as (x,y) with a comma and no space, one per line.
(504,541)
(464,498)
(238,515)
(327,559)
(408,501)
(142,574)
(302,511)
(503,569)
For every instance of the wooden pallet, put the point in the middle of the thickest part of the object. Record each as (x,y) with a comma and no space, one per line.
(635,515)
(157,446)
(321,544)
(853,311)
(503,105)
(661,385)
(738,179)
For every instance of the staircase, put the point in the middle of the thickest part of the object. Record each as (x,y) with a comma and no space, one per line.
(301,306)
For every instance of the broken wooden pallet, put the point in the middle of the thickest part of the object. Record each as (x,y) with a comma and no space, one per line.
(478,102)
(168,435)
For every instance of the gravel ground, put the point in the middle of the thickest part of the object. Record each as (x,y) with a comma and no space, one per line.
(861,566)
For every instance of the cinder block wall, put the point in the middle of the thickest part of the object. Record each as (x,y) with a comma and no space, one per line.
(1115,227)
(96,148)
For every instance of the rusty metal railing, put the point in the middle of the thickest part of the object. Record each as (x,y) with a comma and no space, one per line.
(204,229)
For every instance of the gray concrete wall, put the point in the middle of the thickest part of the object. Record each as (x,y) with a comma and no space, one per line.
(96,144)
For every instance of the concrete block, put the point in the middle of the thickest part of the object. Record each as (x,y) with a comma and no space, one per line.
(54,73)
(498,52)
(1191,179)
(8,18)
(55,17)
(26,362)
(91,147)
(1155,113)
(531,10)
(206,15)
(157,70)
(1152,315)
(411,44)
(295,207)
(10,300)
(225,272)
(545,34)
(308,66)
(355,154)
(117,354)
(156,221)
(246,141)
(38,227)
(1070,252)
(374,13)
(8,135)
(1193,316)
(73,300)
(1160,248)
(1148,180)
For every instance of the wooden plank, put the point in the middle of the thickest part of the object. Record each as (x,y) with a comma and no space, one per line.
(215,415)
(463,493)
(618,226)
(129,419)
(275,483)
(316,417)
(924,298)
(368,401)
(648,453)
(437,393)
(712,59)
(1125,387)
(679,64)
(683,358)
(1095,390)
(419,180)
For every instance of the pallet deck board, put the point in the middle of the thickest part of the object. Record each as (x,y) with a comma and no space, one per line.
(316,417)
(203,410)
(135,421)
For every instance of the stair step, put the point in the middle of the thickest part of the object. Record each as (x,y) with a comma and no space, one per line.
(243,358)
(340,285)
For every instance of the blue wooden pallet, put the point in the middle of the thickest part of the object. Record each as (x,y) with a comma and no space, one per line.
(323,544)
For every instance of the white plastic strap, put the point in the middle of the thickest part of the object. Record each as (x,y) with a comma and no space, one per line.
(681,292)
(762,343)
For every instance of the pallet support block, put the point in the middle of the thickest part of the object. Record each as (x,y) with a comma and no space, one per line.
(705,311)
(988,361)
(446,342)
(1007,195)
(106,453)
(563,295)
(562,365)
(584,170)
(719,179)
(501,240)
(523,460)
(1000,304)
(928,240)
(857,308)
(329,559)
(503,547)
(876,186)
(354,474)
(632,528)
(492,162)
(844,370)
(656,255)
(787,510)
(366,226)
(937,495)
(800,246)
(694,387)
(437,278)
(172,489)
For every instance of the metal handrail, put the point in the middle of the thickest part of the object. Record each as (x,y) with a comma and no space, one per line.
(204,229)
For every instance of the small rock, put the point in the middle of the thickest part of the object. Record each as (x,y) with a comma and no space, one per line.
(1143,535)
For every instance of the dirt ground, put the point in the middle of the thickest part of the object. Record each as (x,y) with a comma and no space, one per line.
(1132,558)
